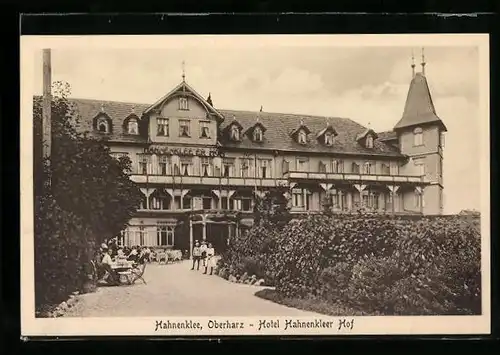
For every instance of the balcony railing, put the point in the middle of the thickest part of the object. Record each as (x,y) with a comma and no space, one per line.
(208,180)
(303,175)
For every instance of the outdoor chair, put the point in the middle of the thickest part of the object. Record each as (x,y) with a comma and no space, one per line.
(134,274)
(161,255)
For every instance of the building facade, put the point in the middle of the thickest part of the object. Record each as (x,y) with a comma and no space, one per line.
(200,167)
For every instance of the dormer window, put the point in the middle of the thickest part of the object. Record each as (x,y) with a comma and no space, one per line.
(302,137)
(103,125)
(132,126)
(257,134)
(235,133)
(183,103)
(418,138)
(329,138)
(369,141)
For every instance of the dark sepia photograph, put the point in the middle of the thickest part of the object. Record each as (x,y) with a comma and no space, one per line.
(201,185)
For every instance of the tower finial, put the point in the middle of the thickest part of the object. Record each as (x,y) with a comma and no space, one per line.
(423,61)
(102,107)
(412,64)
(261,108)
(183,71)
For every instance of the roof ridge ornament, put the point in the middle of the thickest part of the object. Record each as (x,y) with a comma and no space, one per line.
(183,71)
(102,107)
(412,64)
(423,62)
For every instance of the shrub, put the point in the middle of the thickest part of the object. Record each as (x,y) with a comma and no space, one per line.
(382,265)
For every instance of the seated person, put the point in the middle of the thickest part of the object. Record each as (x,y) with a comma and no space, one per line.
(133,254)
(109,274)
(121,254)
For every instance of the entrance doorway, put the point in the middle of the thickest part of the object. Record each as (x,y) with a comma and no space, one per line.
(218,235)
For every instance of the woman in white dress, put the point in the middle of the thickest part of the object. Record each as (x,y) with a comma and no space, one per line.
(210,261)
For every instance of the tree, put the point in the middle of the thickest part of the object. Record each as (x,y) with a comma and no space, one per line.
(90,198)
(272,207)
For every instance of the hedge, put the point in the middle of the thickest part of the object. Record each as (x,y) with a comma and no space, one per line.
(372,263)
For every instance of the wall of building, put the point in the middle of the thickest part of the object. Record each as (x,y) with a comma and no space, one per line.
(196,114)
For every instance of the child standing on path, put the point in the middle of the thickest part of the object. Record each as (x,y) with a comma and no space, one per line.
(203,250)
(196,256)
(210,259)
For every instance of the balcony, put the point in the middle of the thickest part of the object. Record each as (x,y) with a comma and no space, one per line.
(207,180)
(302,175)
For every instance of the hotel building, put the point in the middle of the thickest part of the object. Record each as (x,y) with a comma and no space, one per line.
(199,167)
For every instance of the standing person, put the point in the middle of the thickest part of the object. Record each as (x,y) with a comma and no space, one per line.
(203,250)
(196,255)
(210,259)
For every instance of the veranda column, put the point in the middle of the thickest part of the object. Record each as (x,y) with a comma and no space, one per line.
(420,193)
(393,190)
(204,230)
(360,189)
(190,238)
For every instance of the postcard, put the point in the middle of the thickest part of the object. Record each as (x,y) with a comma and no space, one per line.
(178,186)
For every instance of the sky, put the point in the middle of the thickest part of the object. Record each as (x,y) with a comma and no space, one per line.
(366,84)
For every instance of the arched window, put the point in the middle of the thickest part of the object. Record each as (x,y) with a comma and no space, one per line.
(369,141)
(257,134)
(302,137)
(132,126)
(235,133)
(418,136)
(102,125)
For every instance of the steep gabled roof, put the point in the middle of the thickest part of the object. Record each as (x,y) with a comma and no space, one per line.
(184,87)
(419,108)
(387,136)
(277,137)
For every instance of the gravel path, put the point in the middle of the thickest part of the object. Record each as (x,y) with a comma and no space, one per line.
(175,290)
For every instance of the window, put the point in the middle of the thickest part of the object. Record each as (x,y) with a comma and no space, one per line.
(184,128)
(183,103)
(257,134)
(388,201)
(186,202)
(374,197)
(297,198)
(235,133)
(335,197)
(322,167)
(227,167)
(141,234)
(165,234)
(207,203)
(386,170)
(224,204)
(366,200)
(143,164)
(103,125)
(329,138)
(159,200)
(204,129)
(205,166)
(177,202)
(337,166)
(246,204)
(302,164)
(369,141)
(144,202)
(132,126)
(441,141)
(355,168)
(302,137)
(244,167)
(368,168)
(162,127)
(163,162)
(418,137)
(265,170)
(185,166)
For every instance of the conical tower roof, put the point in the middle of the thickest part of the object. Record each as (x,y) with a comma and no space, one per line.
(419,108)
